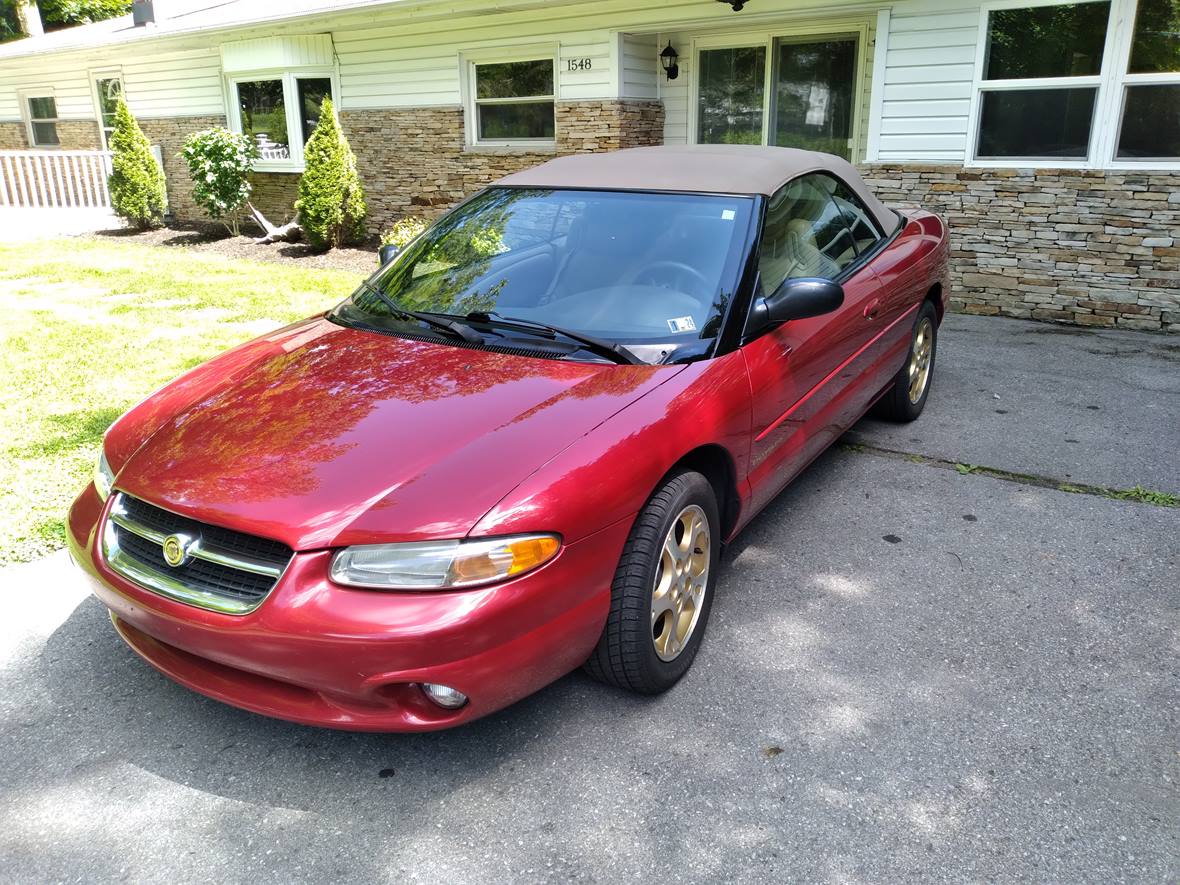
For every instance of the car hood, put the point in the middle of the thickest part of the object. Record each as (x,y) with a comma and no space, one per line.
(321,435)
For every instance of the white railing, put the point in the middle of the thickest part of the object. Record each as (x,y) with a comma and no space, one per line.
(55,179)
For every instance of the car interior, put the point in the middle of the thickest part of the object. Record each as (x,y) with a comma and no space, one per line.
(814,228)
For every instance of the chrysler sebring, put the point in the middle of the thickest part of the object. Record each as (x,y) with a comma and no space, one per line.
(519,447)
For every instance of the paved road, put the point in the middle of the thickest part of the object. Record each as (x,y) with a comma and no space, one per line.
(910,673)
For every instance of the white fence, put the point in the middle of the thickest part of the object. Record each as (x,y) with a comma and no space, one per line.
(55,179)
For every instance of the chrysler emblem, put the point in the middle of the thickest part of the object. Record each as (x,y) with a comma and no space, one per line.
(176,549)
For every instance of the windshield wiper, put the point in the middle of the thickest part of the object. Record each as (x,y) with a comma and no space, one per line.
(600,346)
(456,328)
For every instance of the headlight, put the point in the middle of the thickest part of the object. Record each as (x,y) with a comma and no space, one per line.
(438,565)
(104,477)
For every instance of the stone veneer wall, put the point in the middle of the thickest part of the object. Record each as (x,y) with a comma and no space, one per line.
(274,195)
(1089,247)
(74,135)
(79,135)
(415,161)
(169,133)
(13,137)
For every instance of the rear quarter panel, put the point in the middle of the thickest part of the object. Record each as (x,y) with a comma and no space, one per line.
(914,263)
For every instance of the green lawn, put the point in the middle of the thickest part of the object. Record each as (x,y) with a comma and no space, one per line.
(91,327)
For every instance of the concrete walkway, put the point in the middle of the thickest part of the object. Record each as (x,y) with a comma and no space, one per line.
(20,224)
(910,674)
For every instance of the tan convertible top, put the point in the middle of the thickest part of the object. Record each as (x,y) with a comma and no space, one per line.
(705,168)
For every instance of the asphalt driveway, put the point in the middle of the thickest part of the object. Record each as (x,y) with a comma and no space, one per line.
(911,672)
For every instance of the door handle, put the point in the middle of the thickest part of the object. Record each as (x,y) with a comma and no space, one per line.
(871,309)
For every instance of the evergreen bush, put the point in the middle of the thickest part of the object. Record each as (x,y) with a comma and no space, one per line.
(136,182)
(331,203)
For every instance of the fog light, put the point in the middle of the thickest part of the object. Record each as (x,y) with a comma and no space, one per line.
(444,695)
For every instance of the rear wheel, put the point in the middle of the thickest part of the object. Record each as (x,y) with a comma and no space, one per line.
(911,386)
(662,590)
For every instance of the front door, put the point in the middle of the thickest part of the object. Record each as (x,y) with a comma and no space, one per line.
(814,88)
(795,92)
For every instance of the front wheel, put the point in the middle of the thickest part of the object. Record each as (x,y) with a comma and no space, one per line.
(911,386)
(662,590)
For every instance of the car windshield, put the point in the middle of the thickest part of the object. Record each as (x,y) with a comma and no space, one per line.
(629,268)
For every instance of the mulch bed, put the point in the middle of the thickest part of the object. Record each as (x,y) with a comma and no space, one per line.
(214,238)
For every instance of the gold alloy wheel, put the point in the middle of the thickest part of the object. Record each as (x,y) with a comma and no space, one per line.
(919,368)
(681,578)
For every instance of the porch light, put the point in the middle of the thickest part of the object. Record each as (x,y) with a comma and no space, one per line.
(736,4)
(668,57)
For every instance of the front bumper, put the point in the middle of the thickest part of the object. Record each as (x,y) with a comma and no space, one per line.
(321,654)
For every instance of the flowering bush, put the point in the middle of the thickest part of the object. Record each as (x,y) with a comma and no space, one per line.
(219,163)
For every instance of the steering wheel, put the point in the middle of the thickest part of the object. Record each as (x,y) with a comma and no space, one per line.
(674,275)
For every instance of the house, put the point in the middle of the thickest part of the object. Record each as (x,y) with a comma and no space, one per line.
(1047,131)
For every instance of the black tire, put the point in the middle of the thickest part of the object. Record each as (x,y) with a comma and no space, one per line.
(896,405)
(626,655)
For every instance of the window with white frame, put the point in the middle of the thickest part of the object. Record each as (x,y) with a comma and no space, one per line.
(42,118)
(512,102)
(1149,94)
(1078,82)
(1042,68)
(108,89)
(279,111)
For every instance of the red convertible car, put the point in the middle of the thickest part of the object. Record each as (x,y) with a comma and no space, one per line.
(519,447)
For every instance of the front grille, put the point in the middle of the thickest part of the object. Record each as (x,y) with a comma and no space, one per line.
(222,570)
(224,539)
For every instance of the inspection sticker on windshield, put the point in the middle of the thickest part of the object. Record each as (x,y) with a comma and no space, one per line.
(682,324)
(728,215)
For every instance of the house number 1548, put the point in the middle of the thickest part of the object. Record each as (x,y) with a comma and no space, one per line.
(577,64)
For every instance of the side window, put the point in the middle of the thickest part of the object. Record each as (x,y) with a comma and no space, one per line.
(805,234)
(864,229)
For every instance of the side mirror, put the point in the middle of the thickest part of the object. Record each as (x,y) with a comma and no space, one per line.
(387,252)
(796,300)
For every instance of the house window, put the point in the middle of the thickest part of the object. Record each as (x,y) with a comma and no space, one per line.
(730,95)
(43,121)
(792,91)
(1039,89)
(1150,113)
(513,101)
(108,89)
(279,111)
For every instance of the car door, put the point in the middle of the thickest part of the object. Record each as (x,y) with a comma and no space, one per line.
(804,373)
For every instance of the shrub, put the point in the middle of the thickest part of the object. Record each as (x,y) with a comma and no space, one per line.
(331,204)
(219,163)
(403,231)
(136,182)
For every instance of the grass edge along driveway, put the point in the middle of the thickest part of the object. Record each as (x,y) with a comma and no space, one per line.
(90,327)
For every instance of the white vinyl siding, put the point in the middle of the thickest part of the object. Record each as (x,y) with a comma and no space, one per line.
(172,84)
(926,95)
(640,71)
(69,85)
(178,84)
(419,67)
(276,53)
